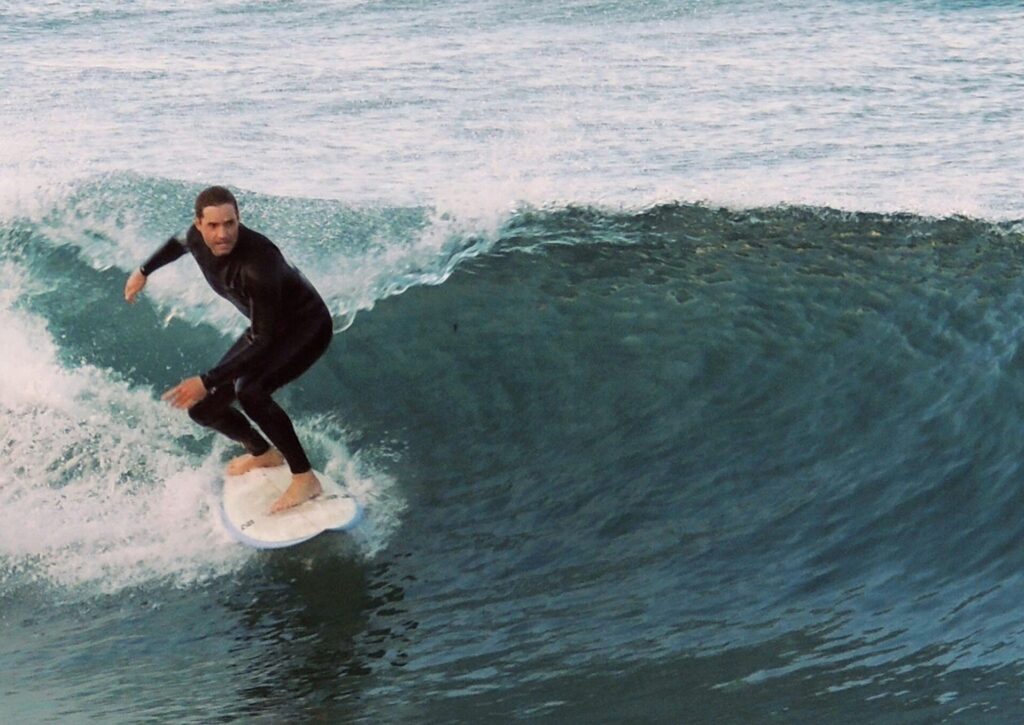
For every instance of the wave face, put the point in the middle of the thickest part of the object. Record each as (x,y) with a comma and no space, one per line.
(711,453)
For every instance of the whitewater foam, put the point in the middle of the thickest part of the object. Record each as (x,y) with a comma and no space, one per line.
(96,486)
(375,491)
(104,488)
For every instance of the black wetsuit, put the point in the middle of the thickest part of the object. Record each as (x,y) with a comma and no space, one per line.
(290,329)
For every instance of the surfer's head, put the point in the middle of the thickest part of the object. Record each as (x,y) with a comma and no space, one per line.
(217,219)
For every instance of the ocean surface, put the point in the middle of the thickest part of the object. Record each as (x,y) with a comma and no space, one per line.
(678,361)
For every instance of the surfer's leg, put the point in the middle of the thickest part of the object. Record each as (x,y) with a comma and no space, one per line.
(293,357)
(298,354)
(255,396)
(272,420)
(216,411)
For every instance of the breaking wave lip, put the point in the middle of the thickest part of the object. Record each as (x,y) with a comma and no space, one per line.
(355,256)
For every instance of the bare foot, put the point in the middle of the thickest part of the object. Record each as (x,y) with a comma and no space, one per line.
(246,462)
(304,486)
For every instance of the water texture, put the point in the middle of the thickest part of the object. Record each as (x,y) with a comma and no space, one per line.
(676,362)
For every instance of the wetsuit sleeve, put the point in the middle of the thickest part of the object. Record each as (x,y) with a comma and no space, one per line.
(263,282)
(170,251)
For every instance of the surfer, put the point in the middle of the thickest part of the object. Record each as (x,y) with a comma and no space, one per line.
(290,328)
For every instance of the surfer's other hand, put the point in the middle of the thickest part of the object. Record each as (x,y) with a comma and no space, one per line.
(132,288)
(186,393)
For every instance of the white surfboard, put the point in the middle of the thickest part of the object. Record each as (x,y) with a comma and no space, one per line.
(247,499)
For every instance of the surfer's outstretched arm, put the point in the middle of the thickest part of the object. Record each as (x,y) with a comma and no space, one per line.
(170,251)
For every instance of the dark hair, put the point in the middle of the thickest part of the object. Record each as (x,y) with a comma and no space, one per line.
(214,196)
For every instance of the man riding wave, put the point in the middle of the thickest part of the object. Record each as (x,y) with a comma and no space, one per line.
(290,328)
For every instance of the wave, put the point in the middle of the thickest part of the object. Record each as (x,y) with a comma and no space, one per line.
(776,410)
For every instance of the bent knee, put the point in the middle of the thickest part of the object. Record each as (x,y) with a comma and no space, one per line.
(202,414)
(252,397)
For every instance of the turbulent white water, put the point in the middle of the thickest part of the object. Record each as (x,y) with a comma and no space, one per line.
(100,485)
(475,106)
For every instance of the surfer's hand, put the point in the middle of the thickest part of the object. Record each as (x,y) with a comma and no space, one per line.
(186,393)
(136,281)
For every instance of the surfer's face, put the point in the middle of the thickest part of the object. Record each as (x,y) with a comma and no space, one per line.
(219,227)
